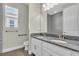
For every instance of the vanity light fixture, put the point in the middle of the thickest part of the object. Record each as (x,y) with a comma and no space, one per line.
(47,6)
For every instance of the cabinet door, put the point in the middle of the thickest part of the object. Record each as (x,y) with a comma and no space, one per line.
(70,20)
(48,52)
(33,46)
(36,46)
(38,50)
(44,52)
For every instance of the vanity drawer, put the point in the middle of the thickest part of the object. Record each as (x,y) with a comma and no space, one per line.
(36,46)
(45,52)
(59,50)
(75,53)
(48,52)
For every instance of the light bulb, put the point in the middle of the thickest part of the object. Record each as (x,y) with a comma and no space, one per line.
(47,6)
(44,5)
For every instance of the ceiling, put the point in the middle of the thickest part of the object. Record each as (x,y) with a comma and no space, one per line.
(59,8)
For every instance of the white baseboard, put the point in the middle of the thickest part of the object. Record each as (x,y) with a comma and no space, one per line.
(13,48)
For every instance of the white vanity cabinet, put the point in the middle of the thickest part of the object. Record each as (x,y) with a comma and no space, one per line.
(42,48)
(36,46)
(54,50)
(71,20)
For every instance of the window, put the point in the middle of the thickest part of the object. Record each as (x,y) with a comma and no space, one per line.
(11,16)
(11,23)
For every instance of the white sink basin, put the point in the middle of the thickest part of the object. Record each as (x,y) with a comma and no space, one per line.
(58,41)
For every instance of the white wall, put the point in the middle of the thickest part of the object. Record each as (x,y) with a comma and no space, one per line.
(11,39)
(34,18)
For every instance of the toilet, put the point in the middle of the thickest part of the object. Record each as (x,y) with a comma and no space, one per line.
(26,45)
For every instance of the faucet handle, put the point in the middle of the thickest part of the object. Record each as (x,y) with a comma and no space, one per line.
(63,37)
(59,36)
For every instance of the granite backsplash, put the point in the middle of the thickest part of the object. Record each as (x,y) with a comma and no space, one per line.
(57,36)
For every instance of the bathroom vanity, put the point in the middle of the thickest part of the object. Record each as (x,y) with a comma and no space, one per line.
(52,46)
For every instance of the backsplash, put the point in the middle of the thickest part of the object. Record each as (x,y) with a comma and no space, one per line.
(71,37)
(56,35)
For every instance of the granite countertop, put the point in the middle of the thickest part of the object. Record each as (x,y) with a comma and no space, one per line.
(69,44)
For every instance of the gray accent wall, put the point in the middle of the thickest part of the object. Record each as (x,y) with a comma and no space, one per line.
(55,24)
(49,24)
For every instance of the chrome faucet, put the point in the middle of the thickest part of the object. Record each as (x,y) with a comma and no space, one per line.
(61,37)
(44,35)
